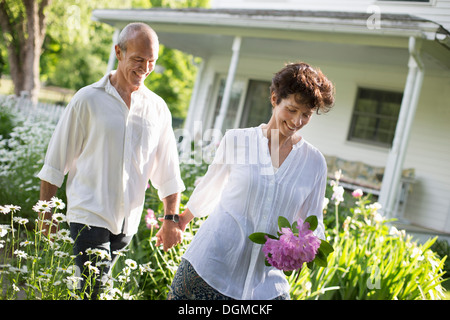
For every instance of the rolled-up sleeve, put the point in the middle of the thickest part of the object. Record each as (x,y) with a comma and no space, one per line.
(208,192)
(63,148)
(313,205)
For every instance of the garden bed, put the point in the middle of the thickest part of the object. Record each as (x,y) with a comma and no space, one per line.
(372,260)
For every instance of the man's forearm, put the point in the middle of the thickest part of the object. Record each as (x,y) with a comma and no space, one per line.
(47,191)
(171,204)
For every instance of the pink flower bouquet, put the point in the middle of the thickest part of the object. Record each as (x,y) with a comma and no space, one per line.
(295,245)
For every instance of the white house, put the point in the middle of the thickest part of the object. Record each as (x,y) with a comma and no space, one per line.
(389,61)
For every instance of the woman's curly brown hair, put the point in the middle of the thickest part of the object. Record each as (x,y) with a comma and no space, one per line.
(310,86)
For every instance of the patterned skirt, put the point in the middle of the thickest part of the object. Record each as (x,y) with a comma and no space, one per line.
(188,285)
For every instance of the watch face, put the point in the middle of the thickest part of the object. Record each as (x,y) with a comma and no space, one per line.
(173,217)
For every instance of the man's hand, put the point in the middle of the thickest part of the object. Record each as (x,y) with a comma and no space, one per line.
(176,230)
(169,235)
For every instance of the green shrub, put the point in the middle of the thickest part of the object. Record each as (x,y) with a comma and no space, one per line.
(442,249)
(373,260)
(21,158)
(7,121)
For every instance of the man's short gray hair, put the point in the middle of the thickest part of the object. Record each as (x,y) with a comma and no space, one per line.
(130,29)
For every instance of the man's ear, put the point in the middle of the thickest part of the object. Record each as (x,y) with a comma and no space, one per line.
(118,52)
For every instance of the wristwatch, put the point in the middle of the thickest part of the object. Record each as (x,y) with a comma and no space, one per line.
(172,217)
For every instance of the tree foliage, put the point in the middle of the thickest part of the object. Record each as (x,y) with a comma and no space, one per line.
(23,25)
(76,49)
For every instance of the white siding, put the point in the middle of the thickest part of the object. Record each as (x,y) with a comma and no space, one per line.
(436,10)
(429,147)
(329,132)
(429,153)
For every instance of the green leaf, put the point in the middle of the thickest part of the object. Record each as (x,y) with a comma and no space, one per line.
(324,250)
(313,222)
(287,273)
(283,222)
(325,247)
(260,237)
(321,259)
(295,228)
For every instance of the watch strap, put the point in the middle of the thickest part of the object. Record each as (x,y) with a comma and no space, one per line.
(171,217)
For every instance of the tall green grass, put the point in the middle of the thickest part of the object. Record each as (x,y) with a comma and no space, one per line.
(373,261)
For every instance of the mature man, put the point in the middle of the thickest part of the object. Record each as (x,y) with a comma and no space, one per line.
(115,136)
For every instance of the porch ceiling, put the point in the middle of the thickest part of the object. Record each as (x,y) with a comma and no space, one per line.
(209,45)
(335,36)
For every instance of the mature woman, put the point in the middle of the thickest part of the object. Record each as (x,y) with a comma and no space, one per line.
(257,175)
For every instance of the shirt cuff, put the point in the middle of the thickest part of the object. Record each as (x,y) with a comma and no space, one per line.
(193,209)
(175,185)
(51,175)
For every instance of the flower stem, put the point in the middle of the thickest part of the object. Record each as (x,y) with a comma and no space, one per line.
(12,231)
(336,211)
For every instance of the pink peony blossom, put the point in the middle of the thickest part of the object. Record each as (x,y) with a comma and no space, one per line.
(291,251)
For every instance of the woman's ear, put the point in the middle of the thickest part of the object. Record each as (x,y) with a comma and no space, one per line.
(273,99)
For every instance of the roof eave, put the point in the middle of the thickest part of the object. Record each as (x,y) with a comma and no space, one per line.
(357,25)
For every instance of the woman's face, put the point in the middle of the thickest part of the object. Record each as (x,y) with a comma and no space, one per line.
(289,116)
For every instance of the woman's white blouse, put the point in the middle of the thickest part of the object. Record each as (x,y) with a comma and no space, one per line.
(242,194)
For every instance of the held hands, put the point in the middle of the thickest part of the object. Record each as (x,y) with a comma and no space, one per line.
(171,233)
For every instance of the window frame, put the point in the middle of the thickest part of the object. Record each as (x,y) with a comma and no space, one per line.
(219,79)
(244,118)
(355,113)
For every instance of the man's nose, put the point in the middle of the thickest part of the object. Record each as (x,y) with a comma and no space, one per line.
(150,66)
(146,66)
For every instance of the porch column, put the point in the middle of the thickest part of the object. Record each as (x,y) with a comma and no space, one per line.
(112,54)
(194,109)
(229,83)
(394,166)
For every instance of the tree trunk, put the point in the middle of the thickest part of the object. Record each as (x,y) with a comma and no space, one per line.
(24,44)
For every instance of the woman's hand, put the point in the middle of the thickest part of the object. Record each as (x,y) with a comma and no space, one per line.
(185,217)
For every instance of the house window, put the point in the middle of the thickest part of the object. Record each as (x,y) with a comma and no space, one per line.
(375,116)
(257,107)
(233,106)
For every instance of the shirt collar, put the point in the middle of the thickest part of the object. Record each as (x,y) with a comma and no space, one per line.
(103,82)
(106,84)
